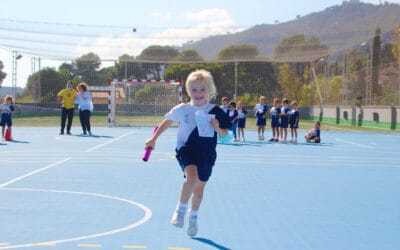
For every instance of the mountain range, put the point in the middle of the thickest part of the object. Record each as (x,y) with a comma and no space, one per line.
(338,27)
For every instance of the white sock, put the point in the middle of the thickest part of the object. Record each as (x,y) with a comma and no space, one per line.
(193,213)
(181,206)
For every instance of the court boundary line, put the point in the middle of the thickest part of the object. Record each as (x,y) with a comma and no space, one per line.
(110,141)
(34,172)
(62,161)
(356,144)
(147,215)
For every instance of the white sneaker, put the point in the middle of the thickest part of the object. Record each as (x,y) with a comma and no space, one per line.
(178,218)
(192,228)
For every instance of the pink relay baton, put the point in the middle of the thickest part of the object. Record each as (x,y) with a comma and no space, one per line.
(148,150)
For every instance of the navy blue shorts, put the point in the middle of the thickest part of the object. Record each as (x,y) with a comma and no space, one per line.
(284,123)
(275,123)
(241,123)
(6,119)
(260,120)
(204,161)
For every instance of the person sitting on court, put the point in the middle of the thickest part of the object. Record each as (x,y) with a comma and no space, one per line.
(314,135)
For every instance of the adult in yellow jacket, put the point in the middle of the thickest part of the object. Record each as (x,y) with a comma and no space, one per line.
(67,97)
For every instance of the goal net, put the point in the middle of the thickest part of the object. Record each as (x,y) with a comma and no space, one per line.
(134,102)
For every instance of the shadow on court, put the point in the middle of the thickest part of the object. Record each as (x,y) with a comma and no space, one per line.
(17,141)
(211,243)
(95,136)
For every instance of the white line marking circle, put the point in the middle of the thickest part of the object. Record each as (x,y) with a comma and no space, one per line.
(143,220)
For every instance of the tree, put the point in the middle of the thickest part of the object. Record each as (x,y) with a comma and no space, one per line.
(297,52)
(67,70)
(357,77)
(335,84)
(2,74)
(128,67)
(376,50)
(189,56)
(297,49)
(290,83)
(160,54)
(395,42)
(85,68)
(51,82)
(238,52)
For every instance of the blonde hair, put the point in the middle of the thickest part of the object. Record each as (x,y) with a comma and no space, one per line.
(8,97)
(204,76)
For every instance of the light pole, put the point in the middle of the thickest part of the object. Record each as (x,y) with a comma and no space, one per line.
(15,56)
(368,82)
(236,80)
(325,62)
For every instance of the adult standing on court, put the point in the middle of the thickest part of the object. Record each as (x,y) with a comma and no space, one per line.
(66,97)
(84,99)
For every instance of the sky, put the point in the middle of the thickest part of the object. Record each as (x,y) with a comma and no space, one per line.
(58,31)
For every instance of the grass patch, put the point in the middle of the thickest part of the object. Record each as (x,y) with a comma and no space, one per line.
(144,121)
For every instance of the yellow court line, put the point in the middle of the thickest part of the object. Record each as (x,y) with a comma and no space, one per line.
(179,248)
(134,247)
(89,245)
(44,244)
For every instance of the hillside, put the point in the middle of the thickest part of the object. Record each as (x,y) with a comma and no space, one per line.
(339,27)
(8,91)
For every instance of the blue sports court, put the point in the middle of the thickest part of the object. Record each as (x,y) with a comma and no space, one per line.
(75,192)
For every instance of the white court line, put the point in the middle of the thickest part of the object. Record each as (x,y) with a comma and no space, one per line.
(356,144)
(34,172)
(61,161)
(145,218)
(115,139)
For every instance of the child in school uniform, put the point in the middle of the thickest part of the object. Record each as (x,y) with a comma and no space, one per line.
(284,119)
(242,112)
(294,121)
(199,123)
(260,112)
(224,104)
(233,118)
(6,110)
(314,135)
(275,113)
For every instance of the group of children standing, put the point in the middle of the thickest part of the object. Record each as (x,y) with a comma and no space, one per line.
(281,118)
(237,117)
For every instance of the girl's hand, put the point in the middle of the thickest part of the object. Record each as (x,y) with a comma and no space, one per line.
(150,143)
(215,123)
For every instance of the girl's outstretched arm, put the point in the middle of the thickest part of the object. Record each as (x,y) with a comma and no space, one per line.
(151,142)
